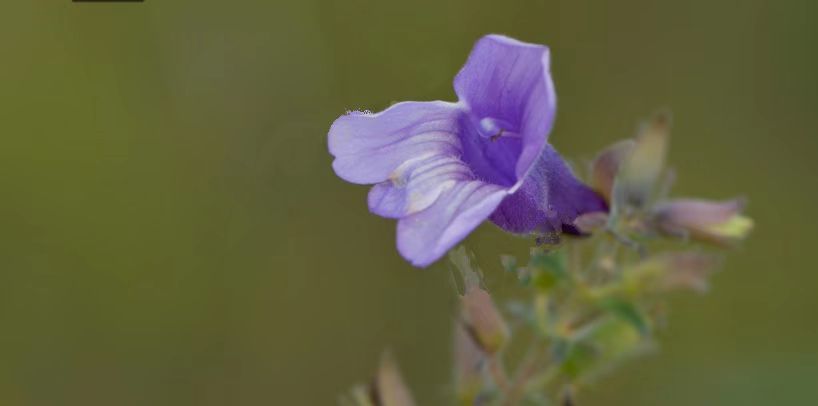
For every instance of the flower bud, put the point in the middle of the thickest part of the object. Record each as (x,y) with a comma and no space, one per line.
(591,222)
(361,395)
(468,366)
(482,319)
(389,388)
(720,223)
(479,314)
(605,167)
(643,166)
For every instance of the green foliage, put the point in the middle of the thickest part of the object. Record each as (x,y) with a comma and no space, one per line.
(627,312)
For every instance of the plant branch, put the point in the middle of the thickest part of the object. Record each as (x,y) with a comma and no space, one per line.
(498,373)
(527,369)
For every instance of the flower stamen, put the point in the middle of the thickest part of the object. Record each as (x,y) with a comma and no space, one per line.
(493,129)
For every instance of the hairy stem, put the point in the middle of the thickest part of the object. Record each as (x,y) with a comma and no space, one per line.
(527,369)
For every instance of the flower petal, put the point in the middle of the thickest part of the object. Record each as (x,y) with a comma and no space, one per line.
(425,236)
(416,184)
(550,199)
(369,147)
(507,81)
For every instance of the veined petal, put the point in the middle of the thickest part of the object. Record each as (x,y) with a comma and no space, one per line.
(369,147)
(425,236)
(506,84)
(550,199)
(416,184)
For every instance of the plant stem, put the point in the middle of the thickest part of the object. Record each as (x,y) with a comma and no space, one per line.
(525,371)
(498,373)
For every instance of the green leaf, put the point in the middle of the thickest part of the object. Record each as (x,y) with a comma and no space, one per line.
(600,347)
(627,312)
(579,358)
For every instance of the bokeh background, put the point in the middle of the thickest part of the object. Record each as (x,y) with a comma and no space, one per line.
(171,232)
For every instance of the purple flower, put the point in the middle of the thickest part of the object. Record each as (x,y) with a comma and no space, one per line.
(443,168)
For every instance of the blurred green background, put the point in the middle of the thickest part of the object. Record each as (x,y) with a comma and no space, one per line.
(173,234)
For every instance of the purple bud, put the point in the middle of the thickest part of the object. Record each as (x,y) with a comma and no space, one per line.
(482,320)
(640,171)
(710,221)
(478,313)
(468,366)
(606,165)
